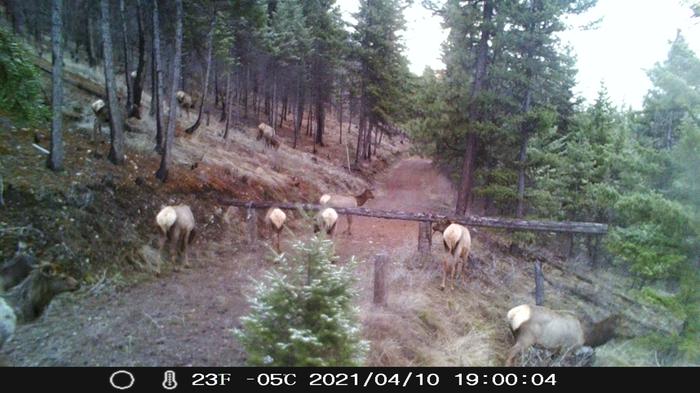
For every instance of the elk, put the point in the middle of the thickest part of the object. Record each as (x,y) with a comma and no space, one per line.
(101,111)
(177,226)
(269,135)
(457,242)
(185,102)
(325,221)
(275,218)
(34,293)
(346,201)
(554,330)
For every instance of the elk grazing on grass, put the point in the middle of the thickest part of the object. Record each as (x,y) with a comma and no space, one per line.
(347,201)
(269,135)
(185,102)
(177,226)
(34,293)
(555,330)
(326,219)
(101,111)
(275,218)
(457,242)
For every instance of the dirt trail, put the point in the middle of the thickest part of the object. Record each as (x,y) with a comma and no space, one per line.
(411,185)
(186,318)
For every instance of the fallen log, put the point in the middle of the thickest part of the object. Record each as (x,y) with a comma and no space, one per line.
(476,221)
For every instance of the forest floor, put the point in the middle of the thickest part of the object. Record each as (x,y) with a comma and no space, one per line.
(186,318)
(95,220)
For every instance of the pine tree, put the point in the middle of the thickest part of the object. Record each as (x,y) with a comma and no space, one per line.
(302,314)
(116,119)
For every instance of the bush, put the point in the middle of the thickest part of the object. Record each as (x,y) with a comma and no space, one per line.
(21,95)
(302,313)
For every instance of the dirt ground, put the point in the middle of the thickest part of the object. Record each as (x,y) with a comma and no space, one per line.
(186,318)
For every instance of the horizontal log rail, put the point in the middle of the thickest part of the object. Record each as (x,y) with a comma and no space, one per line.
(590,228)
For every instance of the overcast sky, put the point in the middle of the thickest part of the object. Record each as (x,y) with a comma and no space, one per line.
(632,36)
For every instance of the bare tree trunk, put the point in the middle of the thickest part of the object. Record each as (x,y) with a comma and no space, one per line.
(158,94)
(300,109)
(162,172)
(55,160)
(125,43)
(210,45)
(90,48)
(116,120)
(140,69)
(320,121)
(227,104)
(464,195)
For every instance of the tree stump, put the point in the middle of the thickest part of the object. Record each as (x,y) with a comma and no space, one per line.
(380,295)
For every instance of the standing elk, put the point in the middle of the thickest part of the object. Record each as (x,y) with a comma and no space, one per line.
(457,242)
(185,102)
(101,111)
(275,218)
(269,135)
(177,226)
(347,201)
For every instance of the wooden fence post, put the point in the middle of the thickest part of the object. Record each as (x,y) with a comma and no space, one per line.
(424,241)
(380,262)
(539,284)
(251,220)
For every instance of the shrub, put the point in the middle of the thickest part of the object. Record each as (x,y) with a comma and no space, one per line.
(21,95)
(302,312)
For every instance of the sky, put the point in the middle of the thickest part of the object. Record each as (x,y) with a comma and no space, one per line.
(631,37)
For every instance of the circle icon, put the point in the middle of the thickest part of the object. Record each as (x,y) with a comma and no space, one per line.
(119,384)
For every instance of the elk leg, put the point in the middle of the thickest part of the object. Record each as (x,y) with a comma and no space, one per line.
(444,273)
(349,225)
(183,247)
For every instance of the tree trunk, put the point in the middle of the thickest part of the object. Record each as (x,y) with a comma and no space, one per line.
(227,104)
(90,49)
(300,109)
(125,43)
(116,120)
(205,89)
(158,94)
(464,196)
(162,172)
(140,69)
(340,119)
(320,121)
(55,160)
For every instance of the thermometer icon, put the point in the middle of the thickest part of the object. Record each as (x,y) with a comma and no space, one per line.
(169,382)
